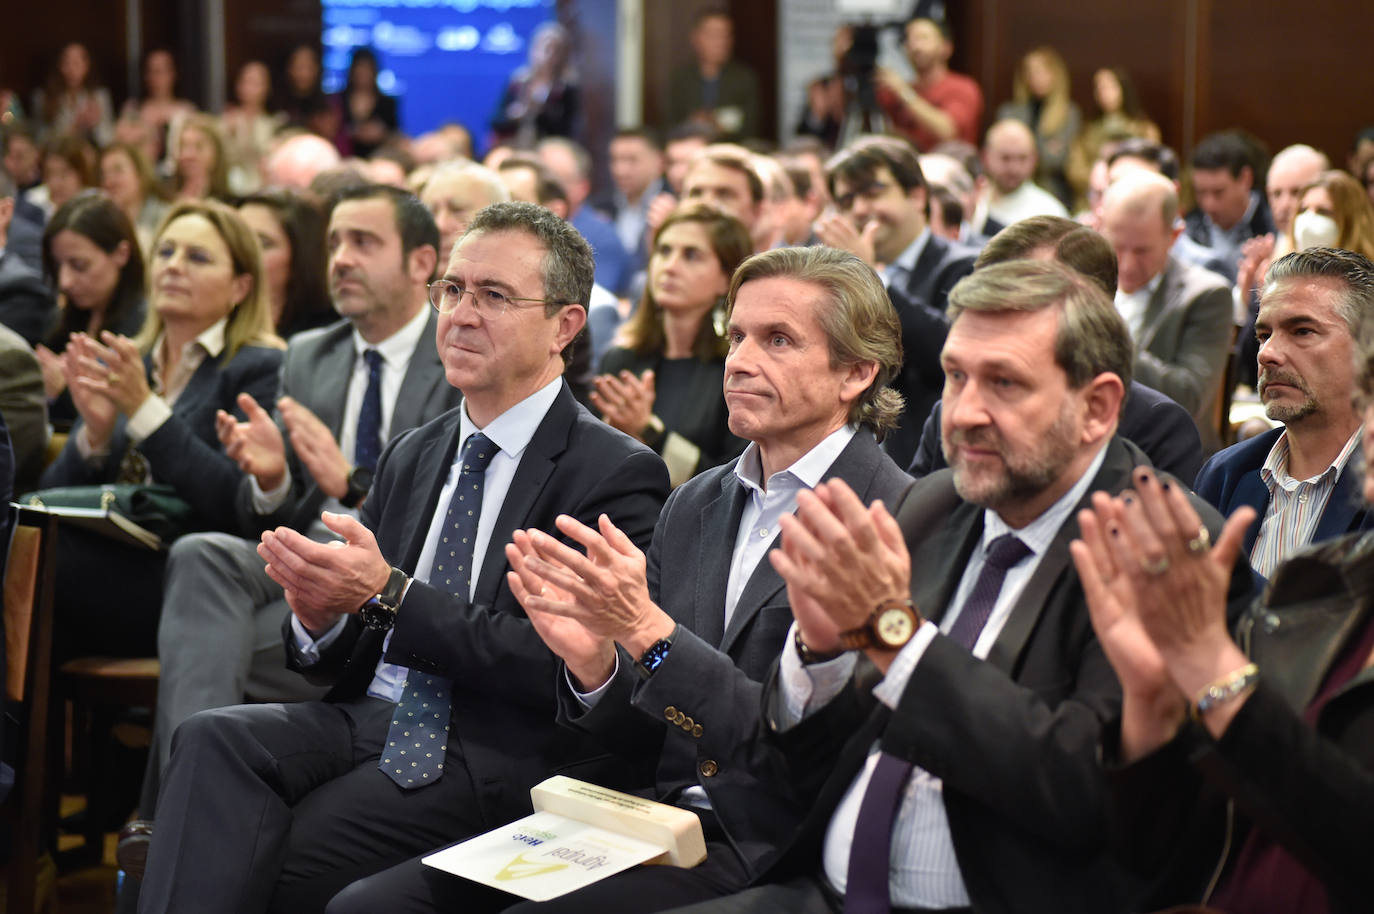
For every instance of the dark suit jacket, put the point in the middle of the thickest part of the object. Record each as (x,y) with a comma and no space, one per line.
(1151,421)
(1182,347)
(1231,479)
(1261,223)
(185,450)
(26,303)
(713,674)
(1013,737)
(739,88)
(316,371)
(25,407)
(503,675)
(920,305)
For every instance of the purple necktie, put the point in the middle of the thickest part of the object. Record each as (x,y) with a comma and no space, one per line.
(870,855)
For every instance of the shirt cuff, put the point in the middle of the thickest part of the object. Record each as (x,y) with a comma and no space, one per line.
(267,502)
(309,647)
(890,690)
(804,688)
(590,699)
(148,418)
(84,448)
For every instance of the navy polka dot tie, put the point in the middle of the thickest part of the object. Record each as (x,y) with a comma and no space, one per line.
(418,738)
(368,445)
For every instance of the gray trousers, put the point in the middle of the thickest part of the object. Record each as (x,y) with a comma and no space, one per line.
(219,640)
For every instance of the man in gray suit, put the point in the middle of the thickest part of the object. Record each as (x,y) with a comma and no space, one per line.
(346,389)
(1179,315)
(664,655)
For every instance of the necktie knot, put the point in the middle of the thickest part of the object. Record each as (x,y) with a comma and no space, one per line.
(373,358)
(1006,551)
(478,452)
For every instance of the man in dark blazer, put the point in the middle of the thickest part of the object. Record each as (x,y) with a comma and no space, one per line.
(708,615)
(219,635)
(26,303)
(713,88)
(883,212)
(1179,315)
(1303,478)
(300,806)
(985,692)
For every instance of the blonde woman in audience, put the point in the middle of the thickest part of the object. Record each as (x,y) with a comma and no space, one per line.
(661,381)
(127,177)
(202,168)
(1040,100)
(1334,212)
(147,410)
(1119,115)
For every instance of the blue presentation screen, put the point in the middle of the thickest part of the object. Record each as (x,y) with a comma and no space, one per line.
(445,60)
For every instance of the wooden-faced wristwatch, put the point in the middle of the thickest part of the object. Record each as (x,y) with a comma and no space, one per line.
(890,627)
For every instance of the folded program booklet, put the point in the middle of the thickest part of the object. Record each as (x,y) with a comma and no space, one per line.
(579,834)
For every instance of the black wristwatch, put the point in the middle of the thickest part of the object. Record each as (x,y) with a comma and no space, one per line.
(379,612)
(653,658)
(359,482)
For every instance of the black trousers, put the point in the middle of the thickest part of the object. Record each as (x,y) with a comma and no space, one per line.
(277,807)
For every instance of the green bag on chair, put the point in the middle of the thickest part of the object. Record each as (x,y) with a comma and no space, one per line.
(153,506)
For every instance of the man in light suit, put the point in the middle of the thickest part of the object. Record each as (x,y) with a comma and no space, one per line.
(307,797)
(1179,315)
(969,780)
(672,672)
(219,636)
(1302,478)
(883,217)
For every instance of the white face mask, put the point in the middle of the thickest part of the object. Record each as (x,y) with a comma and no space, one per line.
(1313,230)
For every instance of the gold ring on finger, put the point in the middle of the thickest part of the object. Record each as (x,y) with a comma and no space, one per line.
(112,378)
(1155,566)
(1199,544)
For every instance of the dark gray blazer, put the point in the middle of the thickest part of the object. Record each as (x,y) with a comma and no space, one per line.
(1182,347)
(315,372)
(714,674)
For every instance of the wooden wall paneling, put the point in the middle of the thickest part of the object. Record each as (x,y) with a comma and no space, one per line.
(756,44)
(34,34)
(267,30)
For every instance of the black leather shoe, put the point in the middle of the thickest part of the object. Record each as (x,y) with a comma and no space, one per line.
(132,850)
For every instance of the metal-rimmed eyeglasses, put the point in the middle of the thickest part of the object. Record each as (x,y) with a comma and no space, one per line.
(445,295)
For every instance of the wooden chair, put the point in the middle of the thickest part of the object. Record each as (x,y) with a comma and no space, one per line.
(30,576)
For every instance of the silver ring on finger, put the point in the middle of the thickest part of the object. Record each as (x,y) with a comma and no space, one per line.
(1199,544)
(1155,567)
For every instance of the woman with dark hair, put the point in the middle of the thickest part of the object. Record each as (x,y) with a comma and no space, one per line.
(302,100)
(1119,116)
(661,382)
(68,169)
(542,98)
(290,230)
(1041,100)
(72,102)
(91,255)
(369,116)
(152,120)
(202,168)
(148,409)
(127,176)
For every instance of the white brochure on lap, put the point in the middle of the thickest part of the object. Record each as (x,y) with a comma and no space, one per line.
(580,834)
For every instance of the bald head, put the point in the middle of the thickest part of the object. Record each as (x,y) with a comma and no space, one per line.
(1009,155)
(297,161)
(1292,169)
(454,193)
(1138,216)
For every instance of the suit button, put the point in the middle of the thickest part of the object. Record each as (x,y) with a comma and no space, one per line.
(696,731)
(678,718)
(670,712)
(708,768)
(687,724)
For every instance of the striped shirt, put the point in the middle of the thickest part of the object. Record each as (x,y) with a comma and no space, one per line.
(1295,505)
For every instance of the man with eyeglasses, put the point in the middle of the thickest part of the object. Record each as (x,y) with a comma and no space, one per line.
(345,391)
(439,715)
(882,205)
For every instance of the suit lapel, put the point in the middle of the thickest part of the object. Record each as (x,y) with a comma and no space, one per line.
(333,374)
(432,466)
(942,560)
(1251,490)
(536,465)
(719,523)
(1158,306)
(1053,564)
(424,372)
(1343,512)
